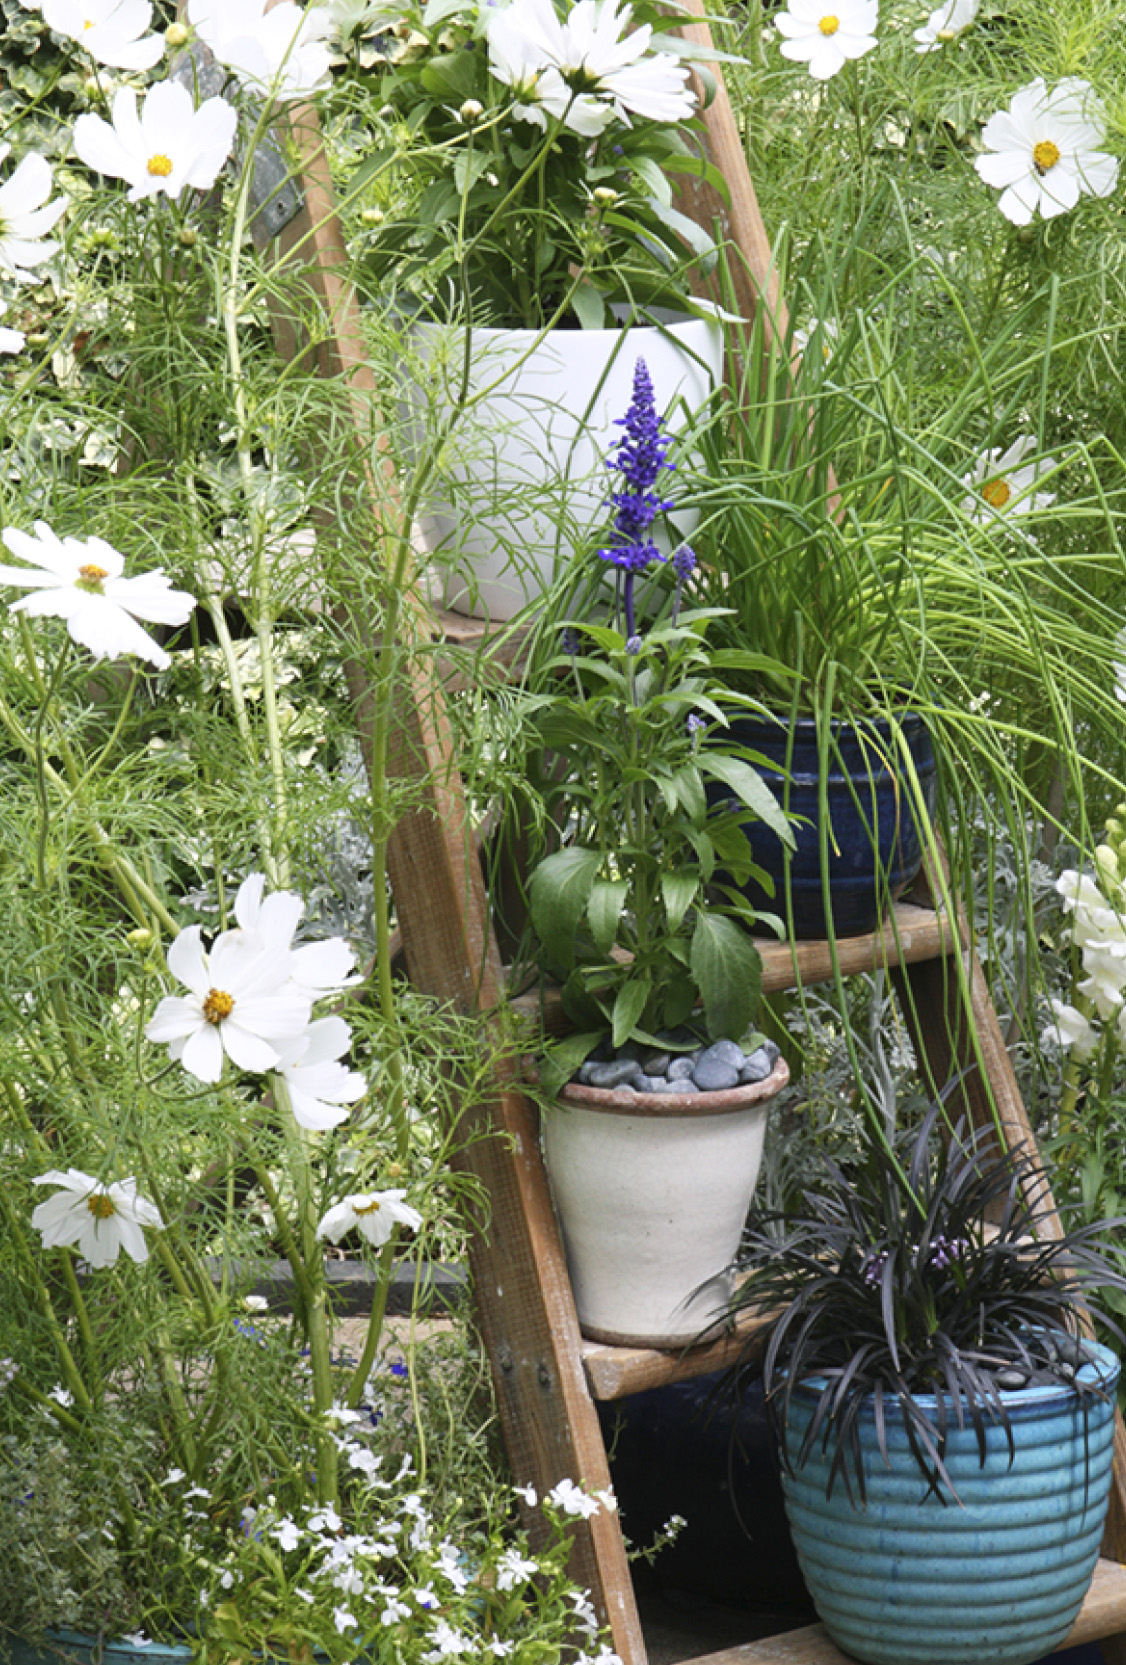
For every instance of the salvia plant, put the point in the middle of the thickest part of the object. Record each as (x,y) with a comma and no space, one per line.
(637,911)
(917,1283)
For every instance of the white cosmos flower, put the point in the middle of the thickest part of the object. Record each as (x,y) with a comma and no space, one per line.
(317,967)
(111,31)
(998,485)
(11,341)
(25,215)
(280,51)
(80,580)
(318,1085)
(1043,152)
(826,33)
(241,1003)
(100,1219)
(374,1214)
(945,23)
(170,145)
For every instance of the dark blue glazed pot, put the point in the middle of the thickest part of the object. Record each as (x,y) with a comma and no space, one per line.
(873,841)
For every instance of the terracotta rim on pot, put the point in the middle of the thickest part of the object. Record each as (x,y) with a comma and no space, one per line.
(614,1102)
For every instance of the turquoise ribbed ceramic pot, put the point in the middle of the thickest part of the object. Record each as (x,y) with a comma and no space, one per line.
(906,1580)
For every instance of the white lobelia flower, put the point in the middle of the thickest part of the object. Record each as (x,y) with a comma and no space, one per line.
(111,31)
(241,1003)
(1000,486)
(1043,152)
(168,146)
(317,967)
(573,1500)
(25,215)
(81,581)
(1070,1030)
(513,1570)
(280,51)
(99,1219)
(318,1085)
(827,33)
(11,341)
(374,1214)
(945,23)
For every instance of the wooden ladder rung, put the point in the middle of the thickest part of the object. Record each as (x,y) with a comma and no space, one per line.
(1103,1614)
(910,934)
(616,1372)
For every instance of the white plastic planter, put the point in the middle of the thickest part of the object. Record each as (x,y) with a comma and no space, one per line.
(523,479)
(652,1193)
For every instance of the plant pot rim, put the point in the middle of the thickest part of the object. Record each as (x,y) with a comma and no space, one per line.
(612,1101)
(1100,1371)
(659,322)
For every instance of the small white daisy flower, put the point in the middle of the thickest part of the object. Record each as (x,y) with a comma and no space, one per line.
(99,1219)
(25,215)
(170,145)
(280,51)
(1043,152)
(825,34)
(374,1214)
(999,486)
(80,580)
(111,31)
(945,23)
(240,1004)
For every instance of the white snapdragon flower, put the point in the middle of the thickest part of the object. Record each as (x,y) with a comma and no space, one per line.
(318,1085)
(81,580)
(1105,983)
(280,51)
(1070,1030)
(99,1219)
(111,31)
(319,968)
(945,23)
(170,145)
(11,341)
(241,1003)
(374,1214)
(1043,152)
(998,485)
(26,215)
(825,34)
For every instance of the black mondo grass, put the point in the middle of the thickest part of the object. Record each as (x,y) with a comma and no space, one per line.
(918,1282)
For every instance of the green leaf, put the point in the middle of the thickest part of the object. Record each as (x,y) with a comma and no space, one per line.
(699,241)
(750,788)
(563,1058)
(468,168)
(590,308)
(690,791)
(728,973)
(438,10)
(628,1007)
(559,891)
(607,899)
(452,75)
(679,892)
(657,181)
(439,202)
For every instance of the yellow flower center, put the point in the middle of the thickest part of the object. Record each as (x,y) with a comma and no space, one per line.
(89,24)
(1045,155)
(159,165)
(90,579)
(829,24)
(996,494)
(218,1005)
(101,1206)
(366,1208)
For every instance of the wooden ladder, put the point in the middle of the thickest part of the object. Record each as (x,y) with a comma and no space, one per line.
(547,1377)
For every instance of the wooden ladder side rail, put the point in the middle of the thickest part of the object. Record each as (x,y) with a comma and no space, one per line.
(525,1307)
(951,1036)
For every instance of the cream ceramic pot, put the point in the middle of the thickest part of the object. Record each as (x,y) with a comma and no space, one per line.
(652,1193)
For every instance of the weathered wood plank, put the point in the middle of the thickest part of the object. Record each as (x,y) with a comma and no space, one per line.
(616,1372)
(1102,1614)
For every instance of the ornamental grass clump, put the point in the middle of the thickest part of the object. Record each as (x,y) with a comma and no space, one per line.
(920,1283)
(634,911)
